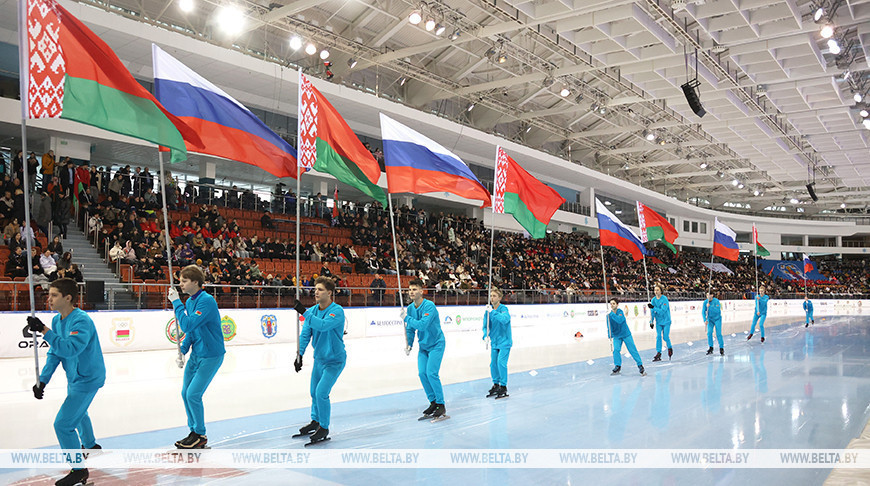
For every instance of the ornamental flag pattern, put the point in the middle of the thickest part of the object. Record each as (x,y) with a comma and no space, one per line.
(307,149)
(47,68)
(641,221)
(501,170)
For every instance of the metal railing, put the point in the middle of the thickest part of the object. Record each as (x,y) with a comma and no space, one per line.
(14,296)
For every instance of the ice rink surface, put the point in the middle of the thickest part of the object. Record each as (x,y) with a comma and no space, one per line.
(803,388)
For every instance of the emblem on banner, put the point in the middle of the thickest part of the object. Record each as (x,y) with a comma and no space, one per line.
(170,332)
(122,332)
(228,328)
(269,326)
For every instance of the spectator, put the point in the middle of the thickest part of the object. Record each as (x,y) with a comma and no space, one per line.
(266,220)
(48,264)
(55,247)
(48,161)
(116,253)
(42,213)
(62,214)
(379,288)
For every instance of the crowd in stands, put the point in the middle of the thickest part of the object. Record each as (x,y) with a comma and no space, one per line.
(450,253)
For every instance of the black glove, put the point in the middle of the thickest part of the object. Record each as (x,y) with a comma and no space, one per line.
(299,307)
(34,324)
(38,390)
(652,326)
(298,363)
(650,305)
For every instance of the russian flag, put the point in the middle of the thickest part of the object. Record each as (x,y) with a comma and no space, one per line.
(417,164)
(725,242)
(808,265)
(226,127)
(612,232)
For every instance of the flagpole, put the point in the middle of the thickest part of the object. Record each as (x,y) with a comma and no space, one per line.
(712,256)
(396,254)
(643,238)
(755,253)
(606,301)
(24,78)
(299,171)
(180,359)
(805,278)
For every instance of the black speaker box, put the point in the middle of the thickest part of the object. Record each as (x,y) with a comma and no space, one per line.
(693,98)
(812,191)
(95,291)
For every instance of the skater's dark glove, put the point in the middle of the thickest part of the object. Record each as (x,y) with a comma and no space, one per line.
(38,390)
(34,324)
(299,307)
(297,365)
(652,326)
(650,305)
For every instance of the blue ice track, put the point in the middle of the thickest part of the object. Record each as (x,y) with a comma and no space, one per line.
(803,388)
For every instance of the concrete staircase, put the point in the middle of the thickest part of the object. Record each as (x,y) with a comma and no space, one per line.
(93,268)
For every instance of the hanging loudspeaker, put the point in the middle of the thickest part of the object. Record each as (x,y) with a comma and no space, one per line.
(691,92)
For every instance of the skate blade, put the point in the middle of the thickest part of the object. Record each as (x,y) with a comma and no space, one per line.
(178,448)
(643,374)
(440,419)
(424,417)
(499,398)
(318,442)
(298,436)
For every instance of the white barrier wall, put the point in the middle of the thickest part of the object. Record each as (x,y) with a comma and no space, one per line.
(533,325)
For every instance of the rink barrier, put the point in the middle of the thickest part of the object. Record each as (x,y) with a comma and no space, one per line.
(146,330)
(438,458)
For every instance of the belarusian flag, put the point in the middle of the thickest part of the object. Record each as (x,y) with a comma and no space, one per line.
(759,250)
(328,145)
(517,192)
(654,227)
(658,262)
(74,75)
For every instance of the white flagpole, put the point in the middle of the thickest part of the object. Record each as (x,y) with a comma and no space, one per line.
(755,253)
(643,239)
(491,245)
(712,256)
(23,83)
(396,251)
(180,359)
(606,300)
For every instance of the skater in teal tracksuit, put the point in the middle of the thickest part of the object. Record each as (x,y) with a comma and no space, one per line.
(808,308)
(617,329)
(660,318)
(760,314)
(75,346)
(421,319)
(324,329)
(712,313)
(497,332)
(200,321)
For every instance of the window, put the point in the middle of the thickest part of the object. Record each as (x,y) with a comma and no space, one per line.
(685,225)
(703,228)
(694,226)
(792,240)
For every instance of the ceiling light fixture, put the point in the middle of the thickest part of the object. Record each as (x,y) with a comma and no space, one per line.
(351,63)
(415,17)
(857,97)
(310,49)
(866,123)
(827,31)
(230,18)
(648,135)
(455,34)
(470,107)
(834,46)
(740,186)
(565,92)
(755,192)
(430,24)
(864,113)
(439,29)
(703,165)
(324,54)
(793,201)
(819,13)
(295,42)
(502,58)
(186,5)
(735,182)
(403,80)
(843,205)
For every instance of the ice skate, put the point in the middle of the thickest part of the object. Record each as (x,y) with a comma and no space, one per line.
(440,413)
(722,351)
(709,350)
(642,370)
(178,442)
(307,430)
(492,391)
(193,441)
(427,414)
(670,353)
(321,435)
(502,392)
(657,357)
(76,476)
(749,337)
(762,340)
(615,371)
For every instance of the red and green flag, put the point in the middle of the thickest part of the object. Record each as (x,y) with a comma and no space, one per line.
(655,227)
(759,249)
(328,145)
(74,75)
(658,262)
(530,201)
